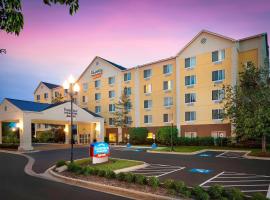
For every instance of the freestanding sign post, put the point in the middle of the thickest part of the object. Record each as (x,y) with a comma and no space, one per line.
(99,152)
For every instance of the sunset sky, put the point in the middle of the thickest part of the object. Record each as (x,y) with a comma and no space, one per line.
(54,44)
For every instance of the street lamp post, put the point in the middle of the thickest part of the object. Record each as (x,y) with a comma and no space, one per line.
(72,88)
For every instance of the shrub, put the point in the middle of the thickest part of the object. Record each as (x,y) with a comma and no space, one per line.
(198,141)
(200,193)
(140,179)
(129,177)
(164,135)
(153,182)
(101,173)
(169,184)
(59,135)
(95,171)
(110,174)
(87,171)
(45,136)
(137,135)
(258,196)
(73,167)
(234,194)
(120,176)
(60,163)
(216,191)
(180,186)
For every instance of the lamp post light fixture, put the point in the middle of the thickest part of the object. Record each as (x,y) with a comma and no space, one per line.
(73,88)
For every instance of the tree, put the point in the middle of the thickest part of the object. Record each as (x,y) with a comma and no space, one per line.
(122,108)
(247,104)
(58,99)
(11,16)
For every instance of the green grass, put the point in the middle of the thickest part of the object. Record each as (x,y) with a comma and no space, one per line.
(190,149)
(113,164)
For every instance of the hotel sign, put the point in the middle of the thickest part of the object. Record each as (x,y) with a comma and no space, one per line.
(67,112)
(96,73)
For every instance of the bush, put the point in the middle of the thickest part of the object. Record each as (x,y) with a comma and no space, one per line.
(180,187)
(59,135)
(87,171)
(137,135)
(9,146)
(140,179)
(120,176)
(169,184)
(198,141)
(153,182)
(129,177)
(101,173)
(45,136)
(73,167)
(234,194)
(11,138)
(164,135)
(60,163)
(95,171)
(110,174)
(216,191)
(200,193)
(258,196)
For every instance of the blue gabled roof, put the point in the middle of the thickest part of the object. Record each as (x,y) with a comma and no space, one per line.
(50,85)
(29,105)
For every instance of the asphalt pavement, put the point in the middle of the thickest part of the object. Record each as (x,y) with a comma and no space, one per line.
(15,184)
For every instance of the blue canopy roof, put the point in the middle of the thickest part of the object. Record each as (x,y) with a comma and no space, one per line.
(29,105)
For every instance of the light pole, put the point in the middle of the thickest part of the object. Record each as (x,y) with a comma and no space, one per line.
(72,89)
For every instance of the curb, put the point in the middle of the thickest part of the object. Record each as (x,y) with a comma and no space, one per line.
(130,193)
(204,150)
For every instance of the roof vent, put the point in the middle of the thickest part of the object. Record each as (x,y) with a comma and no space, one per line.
(203,40)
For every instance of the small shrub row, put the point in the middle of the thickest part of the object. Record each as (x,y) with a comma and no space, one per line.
(173,187)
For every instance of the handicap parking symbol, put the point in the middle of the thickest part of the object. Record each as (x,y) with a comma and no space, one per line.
(205,155)
(200,171)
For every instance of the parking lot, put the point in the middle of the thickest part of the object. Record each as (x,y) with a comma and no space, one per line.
(247,183)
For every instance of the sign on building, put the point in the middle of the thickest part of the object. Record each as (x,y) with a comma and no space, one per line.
(96,73)
(67,112)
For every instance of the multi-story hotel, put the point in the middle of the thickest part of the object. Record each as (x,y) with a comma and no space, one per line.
(185,89)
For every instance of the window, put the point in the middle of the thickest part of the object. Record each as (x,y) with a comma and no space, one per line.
(147,73)
(167,85)
(128,120)
(45,95)
(218,56)
(147,104)
(218,134)
(190,80)
(191,134)
(128,106)
(84,99)
(127,76)
(85,87)
(217,114)
(97,96)
(5,108)
(168,101)
(190,116)
(38,126)
(190,62)
(56,94)
(147,119)
(167,69)
(218,75)
(97,83)
(166,118)
(111,80)
(127,91)
(97,109)
(217,95)
(111,94)
(38,97)
(190,98)
(147,88)
(46,126)
(111,107)
(111,121)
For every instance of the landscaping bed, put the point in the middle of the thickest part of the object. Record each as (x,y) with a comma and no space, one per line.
(9,147)
(152,185)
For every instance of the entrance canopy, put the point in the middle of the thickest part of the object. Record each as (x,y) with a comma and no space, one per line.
(24,113)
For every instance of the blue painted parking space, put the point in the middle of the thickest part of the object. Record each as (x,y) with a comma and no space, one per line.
(200,171)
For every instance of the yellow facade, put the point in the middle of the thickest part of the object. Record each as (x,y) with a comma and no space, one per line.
(232,55)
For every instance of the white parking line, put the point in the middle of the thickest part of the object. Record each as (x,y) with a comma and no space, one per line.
(248,191)
(238,181)
(171,171)
(221,154)
(268,193)
(211,179)
(242,185)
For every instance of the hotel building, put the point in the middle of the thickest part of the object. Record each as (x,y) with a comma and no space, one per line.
(185,89)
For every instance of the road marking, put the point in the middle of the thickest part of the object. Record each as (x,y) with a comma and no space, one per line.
(171,172)
(239,181)
(268,193)
(246,177)
(241,185)
(221,154)
(211,179)
(245,191)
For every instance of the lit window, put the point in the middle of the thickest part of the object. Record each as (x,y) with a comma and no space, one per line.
(167,85)
(190,98)
(147,73)
(190,62)
(218,56)
(190,80)
(190,116)
(127,76)
(218,75)
(147,88)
